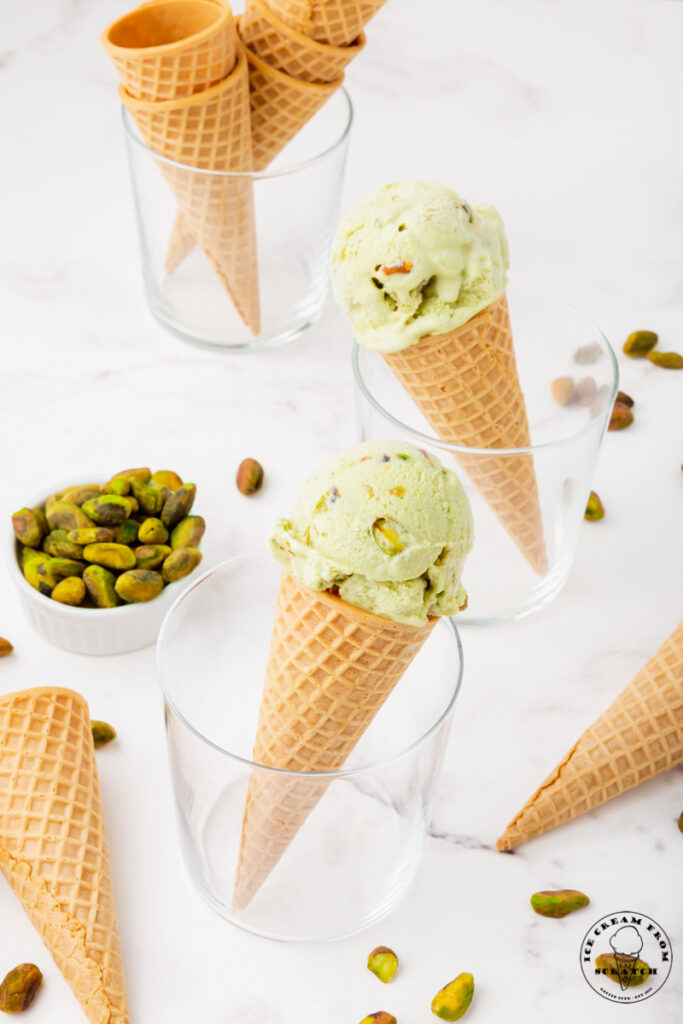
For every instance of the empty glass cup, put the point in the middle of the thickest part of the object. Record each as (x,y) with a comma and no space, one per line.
(528,503)
(360,845)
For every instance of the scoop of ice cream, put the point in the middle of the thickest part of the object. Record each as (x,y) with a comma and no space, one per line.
(627,940)
(385,526)
(414,260)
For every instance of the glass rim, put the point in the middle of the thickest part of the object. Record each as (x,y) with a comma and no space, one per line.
(133,136)
(470,449)
(247,762)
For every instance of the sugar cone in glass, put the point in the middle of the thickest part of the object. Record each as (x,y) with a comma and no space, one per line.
(466,385)
(636,738)
(337,22)
(210,131)
(331,666)
(53,847)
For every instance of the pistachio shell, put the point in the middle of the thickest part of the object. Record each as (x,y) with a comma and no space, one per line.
(112,556)
(109,509)
(188,533)
(152,531)
(99,582)
(69,591)
(65,516)
(180,563)
(139,585)
(91,535)
(167,478)
(27,528)
(149,556)
(178,505)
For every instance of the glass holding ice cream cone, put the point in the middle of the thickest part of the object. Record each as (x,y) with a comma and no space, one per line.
(351,860)
(528,500)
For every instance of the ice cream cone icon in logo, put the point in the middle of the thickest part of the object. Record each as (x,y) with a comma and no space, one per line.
(626,945)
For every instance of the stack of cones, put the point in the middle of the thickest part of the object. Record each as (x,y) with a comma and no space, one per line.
(636,738)
(53,848)
(331,666)
(186,86)
(465,382)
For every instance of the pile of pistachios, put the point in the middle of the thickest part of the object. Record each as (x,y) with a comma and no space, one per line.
(99,546)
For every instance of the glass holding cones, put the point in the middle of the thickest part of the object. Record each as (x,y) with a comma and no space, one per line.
(353,837)
(235,260)
(528,500)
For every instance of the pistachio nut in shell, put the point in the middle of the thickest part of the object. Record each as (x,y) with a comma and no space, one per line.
(639,343)
(180,563)
(379,1017)
(152,531)
(112,556)
(102,733)
(19,988)
(452,1001)
(563,390)
(27,528)
(58,545)
(139,585)
(65,516)
(178,505)
(249,476)
(62,568)
(667,360)
(82,493)
(634,972)
(148,497)
(126,532)
(99,582)
(149,556)
(188,533)
(621,417)
(167,478)
(383,963)
(70,591)
(108,509)
(5,647)
(558,902)
(594,508)
(91,535)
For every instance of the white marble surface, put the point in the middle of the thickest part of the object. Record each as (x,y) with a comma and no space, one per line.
(567,116)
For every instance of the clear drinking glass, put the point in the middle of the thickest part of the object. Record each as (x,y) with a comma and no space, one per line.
(550,338)
(358,850)
(296,209)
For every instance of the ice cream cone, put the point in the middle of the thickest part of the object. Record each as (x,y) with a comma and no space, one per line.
(210,131)
(53,848)
(465,382)
(636,738)
(292,52)
(337,22)
(625,966)
(280,106)
(172,48)
(331,667)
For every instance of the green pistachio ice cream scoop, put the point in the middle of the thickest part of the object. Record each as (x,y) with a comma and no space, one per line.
(385,526)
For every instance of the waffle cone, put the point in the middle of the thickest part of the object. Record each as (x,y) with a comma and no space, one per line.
(465,382)
(53,848)
(292,52)
(172,48)
(337,22)
(637,737)
(211,131)
(330,668)
(280,106)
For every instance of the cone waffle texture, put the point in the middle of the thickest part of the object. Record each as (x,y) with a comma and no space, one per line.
(637,737)
(211,131)
(53,848)
(465,382)
(285,49)
(280,107)
(337,22)
(172,48)
(331,666)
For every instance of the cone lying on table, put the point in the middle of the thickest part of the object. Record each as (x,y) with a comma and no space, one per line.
(465,382)
(637,737)
(211,131)
(331,666)
(53,848)
(337,22)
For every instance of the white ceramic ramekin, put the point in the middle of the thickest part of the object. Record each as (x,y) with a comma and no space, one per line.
(93,631)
